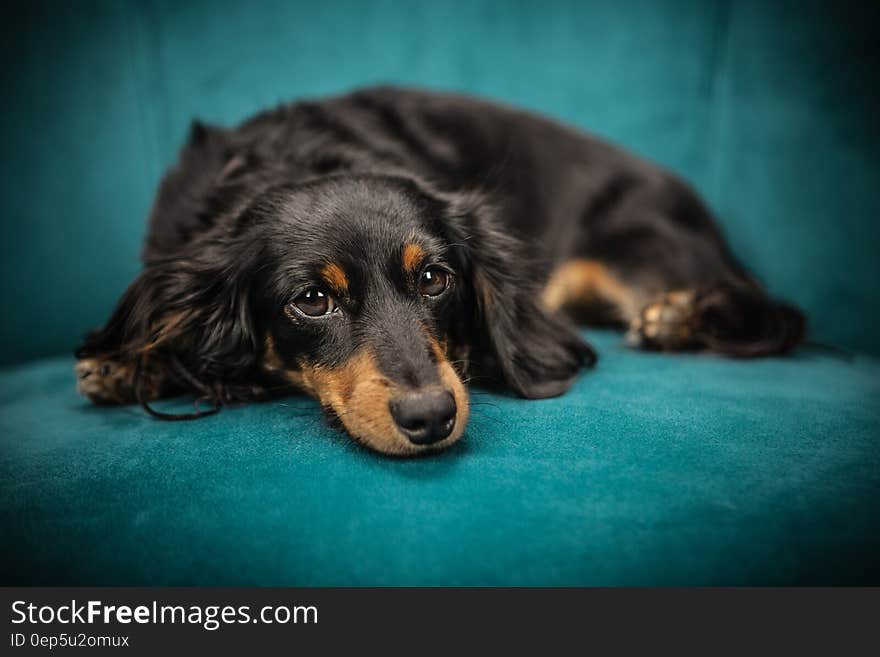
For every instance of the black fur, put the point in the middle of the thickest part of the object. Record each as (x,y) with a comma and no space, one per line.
(244,221)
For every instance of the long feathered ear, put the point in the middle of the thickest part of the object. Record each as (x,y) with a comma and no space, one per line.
(186,322)
(535,353)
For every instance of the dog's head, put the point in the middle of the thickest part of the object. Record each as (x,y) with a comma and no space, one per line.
(358,302)
(370,293)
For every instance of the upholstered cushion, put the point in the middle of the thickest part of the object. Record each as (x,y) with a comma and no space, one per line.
(654,469)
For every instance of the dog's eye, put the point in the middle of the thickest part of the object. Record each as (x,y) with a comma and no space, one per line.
(434,281)
(314,302)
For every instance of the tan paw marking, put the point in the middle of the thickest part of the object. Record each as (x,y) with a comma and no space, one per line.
(105,381)
(667,324)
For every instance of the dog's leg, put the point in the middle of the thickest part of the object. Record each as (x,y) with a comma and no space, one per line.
(105,380)
(671,323)
(731,316)
(653,257)
(592,292)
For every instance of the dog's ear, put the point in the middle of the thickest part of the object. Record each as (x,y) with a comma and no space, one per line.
(535,353)
(192,309)
(187,319)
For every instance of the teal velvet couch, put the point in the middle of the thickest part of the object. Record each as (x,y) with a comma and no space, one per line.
(654,469)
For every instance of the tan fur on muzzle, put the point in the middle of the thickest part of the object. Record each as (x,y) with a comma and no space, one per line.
(359,394)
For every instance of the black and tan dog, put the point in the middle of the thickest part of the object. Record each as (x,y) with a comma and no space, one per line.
(376,249)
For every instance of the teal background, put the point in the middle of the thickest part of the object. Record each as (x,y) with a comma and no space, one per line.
(653,469)
(769,108)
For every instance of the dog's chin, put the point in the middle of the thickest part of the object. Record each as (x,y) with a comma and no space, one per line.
(399,446)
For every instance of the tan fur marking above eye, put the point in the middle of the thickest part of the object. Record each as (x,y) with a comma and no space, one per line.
(335,277)
(581,282)
(413,255)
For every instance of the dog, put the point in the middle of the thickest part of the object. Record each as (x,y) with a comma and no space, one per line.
(379,249)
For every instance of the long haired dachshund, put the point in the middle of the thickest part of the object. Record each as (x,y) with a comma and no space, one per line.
(378,249)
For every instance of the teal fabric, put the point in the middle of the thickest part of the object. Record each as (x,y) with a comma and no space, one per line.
(655,469)
(768,108)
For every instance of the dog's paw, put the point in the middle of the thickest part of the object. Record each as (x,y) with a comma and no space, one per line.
(105,381)
(667,324)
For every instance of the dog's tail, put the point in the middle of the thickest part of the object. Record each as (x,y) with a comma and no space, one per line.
(738,319)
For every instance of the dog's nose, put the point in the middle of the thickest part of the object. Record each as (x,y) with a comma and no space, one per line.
(424,416)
